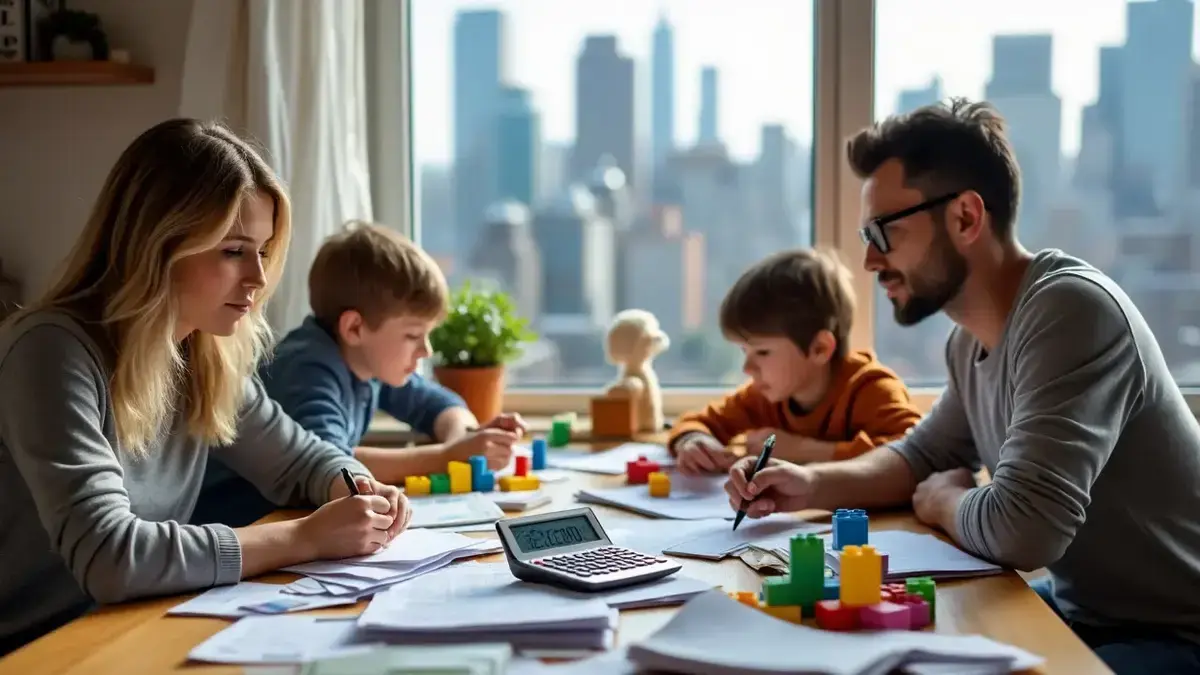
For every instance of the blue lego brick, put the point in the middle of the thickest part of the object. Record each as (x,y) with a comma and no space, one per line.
(539,454)
(478,466)
(849,528)
(485,482)
(832,589)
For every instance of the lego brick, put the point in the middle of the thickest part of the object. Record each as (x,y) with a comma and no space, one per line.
(919,613)
(439,484)
(613,417)
(539,454)
(807,566)
(519,483)
(861,576)
(660,484)
(747,598)
(416,486)
(485,482)
(831,615)
(560,431)
(521,465)
(789,613)
(639,470)
(833,590)
(884,616)
(460,477)
(478,465)
(924,587)
(849,528)
(780,591)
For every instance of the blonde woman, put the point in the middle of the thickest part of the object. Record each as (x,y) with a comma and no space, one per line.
(117,385)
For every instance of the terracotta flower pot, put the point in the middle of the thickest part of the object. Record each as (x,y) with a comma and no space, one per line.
(481,388)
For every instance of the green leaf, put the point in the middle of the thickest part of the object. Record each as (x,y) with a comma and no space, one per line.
(481,329)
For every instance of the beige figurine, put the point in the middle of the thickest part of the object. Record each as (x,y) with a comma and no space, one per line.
(634,339)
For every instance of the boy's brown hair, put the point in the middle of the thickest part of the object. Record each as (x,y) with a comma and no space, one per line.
(794,294)
(377,272)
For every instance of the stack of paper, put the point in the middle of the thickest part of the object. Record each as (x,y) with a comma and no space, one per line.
(691,498)
(485,603)
(472,508)
(909,554)
(609,462)
(698,639)
(480,659)
(249,598)
(411,554)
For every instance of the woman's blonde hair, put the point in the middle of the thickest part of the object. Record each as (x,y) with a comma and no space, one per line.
(176,191)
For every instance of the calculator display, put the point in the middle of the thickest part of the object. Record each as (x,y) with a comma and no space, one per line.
(554,534)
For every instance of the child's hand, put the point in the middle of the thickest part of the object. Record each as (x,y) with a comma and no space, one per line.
(697,453)
(495,444)
(509,422)
(789,447)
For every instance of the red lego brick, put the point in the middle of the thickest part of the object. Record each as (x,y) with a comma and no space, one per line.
(638,472)
(522,465)
(832,616)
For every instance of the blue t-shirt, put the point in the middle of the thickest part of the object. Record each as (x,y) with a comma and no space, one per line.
(310,380)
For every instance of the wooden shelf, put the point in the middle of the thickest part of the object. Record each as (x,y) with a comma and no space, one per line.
(73,74)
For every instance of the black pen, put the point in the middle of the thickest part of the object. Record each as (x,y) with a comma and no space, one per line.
(763,458)
(349,481)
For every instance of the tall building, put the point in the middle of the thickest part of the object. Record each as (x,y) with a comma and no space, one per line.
(604,108)
(662,93)
(709,97)
(437,211)
(518,147)
(1155,91)
(1020,88)
(911,99)
(508,256)
(479,69)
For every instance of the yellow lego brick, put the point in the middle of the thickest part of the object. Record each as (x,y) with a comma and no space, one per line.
(415,486)
(519,483)
(460,477)
(790,613)
(660,484)
(861,576)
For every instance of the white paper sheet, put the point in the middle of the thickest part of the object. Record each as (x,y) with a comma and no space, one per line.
(915,554)
(281,639)
(438,511)
(609,462)
(691,498)
(228,601)
(721,540)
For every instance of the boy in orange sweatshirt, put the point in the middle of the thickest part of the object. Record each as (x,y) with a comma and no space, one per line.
(791,315)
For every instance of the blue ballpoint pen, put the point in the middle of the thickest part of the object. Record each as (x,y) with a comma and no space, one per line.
(763,458)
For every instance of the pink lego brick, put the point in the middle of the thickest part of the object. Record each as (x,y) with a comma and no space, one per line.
(885,615)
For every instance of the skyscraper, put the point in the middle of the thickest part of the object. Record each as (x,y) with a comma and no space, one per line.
(709,126)
(604,108)
(518,146)
(662,96)
(478,71)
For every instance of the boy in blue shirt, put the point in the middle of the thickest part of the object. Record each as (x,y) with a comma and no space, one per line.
(375,298)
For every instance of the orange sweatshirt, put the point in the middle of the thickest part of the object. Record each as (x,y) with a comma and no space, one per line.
(867,406)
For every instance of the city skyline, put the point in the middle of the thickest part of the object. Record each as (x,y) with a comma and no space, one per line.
(545,37)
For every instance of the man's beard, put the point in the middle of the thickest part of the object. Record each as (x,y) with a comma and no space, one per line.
(929,291)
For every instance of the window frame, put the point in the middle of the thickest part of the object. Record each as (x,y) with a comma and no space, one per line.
(843,95)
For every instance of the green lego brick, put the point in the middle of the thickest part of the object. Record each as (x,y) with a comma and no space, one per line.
(560,431)
(780,591)
(439,483)
(808,566)
(924,587)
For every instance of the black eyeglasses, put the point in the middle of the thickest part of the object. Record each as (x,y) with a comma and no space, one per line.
(874,232)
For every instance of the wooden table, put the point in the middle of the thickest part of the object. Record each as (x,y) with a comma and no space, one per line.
(138,638)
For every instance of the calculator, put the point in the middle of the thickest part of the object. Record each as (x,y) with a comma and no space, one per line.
(570,549)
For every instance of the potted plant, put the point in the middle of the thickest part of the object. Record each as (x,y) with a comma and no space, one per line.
(74,35)
(481,333)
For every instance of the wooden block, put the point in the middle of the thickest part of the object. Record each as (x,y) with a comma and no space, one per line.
(614,417)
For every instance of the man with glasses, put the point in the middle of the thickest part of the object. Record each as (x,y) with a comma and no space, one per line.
(1056,385)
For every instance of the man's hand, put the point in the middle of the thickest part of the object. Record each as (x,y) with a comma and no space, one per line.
(935,501)
(697,453)
(779,487)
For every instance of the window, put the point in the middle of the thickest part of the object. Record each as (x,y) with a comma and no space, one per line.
(1102,101)
(588,157)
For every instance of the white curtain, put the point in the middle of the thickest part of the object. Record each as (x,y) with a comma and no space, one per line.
(290,75)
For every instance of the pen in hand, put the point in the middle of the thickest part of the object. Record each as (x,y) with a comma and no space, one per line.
(349,481)
(763,458)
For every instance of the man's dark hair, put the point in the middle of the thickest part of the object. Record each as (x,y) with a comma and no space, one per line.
(944,148)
